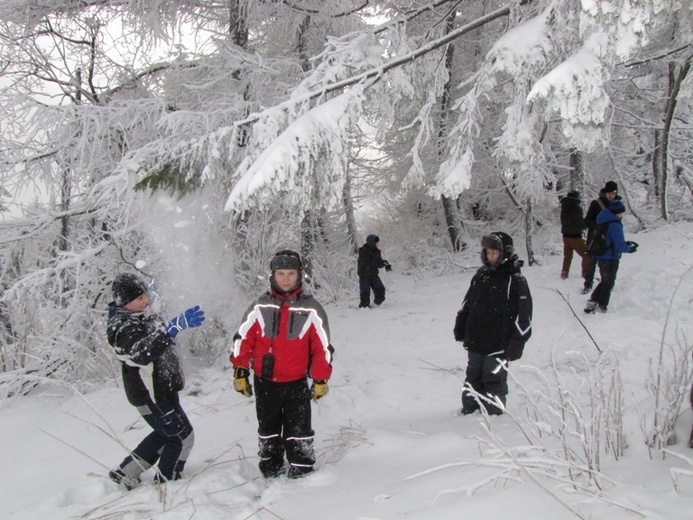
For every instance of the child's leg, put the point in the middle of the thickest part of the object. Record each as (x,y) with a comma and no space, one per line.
(473,380)
(378,290)
(567,257)
(268,405)
(144,456)
(608,271)
(364,292)
(298,432)
(177,437)
(495,383)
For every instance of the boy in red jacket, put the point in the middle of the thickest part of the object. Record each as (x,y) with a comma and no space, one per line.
(284,338)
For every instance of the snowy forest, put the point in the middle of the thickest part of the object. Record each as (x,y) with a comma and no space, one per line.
(190,140)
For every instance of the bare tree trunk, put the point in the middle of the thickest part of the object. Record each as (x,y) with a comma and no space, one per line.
(307,244)
(675,80)
(657,164)
(529,233)
(577,171)
(349,212)
(308,235)
(453,223)
(238,23)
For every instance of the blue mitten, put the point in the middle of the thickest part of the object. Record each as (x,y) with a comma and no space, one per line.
(193,317)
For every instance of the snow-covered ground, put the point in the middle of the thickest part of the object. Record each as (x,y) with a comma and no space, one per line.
(390,441)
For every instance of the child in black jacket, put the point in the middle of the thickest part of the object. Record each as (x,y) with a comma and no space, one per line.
(572,225)
(369,261)
(494,323)
(152,378)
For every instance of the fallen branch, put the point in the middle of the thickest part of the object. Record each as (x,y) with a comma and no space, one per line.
(578,318)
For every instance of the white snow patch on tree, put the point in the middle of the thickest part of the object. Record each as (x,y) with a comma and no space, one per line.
(575,89)
(305,164)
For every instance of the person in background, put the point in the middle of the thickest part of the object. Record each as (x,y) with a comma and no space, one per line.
(608,193)
(572,225)
(609,261)
(152,378)
(369,261)
(494,324)
(284,339)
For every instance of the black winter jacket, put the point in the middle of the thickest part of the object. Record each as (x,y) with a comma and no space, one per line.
(370,260)
(594,210)
(496,315)
(572,222)
(150,366)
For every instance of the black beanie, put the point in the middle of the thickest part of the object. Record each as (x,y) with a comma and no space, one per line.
(127,287)
(610,187)
(286,259)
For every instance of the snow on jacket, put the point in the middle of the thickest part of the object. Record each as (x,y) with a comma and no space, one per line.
(572,222)
(496,315)
(294,328)
(615,240)
(370,260)
(150,366)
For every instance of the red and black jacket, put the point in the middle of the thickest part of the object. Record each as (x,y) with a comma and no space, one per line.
(294,329)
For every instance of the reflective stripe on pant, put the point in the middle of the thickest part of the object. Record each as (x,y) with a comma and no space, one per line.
(485,377)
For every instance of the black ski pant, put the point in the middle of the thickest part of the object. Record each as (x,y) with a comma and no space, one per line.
(170,443)
(602,293)
(365,286)
(284,424)
(487,376)
(590,270)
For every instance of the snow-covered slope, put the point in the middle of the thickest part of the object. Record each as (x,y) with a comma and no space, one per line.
(390,441)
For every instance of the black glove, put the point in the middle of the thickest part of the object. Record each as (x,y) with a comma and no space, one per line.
(458,331)
(241,383)
(387,266)
(514,349)
(633,246)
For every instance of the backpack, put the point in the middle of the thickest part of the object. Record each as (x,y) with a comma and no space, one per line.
(596,243)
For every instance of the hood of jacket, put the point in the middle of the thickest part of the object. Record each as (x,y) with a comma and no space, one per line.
(606,215)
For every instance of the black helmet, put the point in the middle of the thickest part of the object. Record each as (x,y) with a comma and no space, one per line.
(126,288)
(286,259)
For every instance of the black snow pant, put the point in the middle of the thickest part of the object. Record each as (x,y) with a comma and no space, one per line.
(602,293)
(284,424)
(169,444)
(589,271)
(487,376)
(365,286)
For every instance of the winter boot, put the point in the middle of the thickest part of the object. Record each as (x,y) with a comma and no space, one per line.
(591,305)
(299,471)
(117,476)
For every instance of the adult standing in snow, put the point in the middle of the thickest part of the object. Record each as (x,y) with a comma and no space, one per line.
(369,261)
(609,261)
(152,378)
(572,225)
(284,338)
(608,193)
(494,323)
